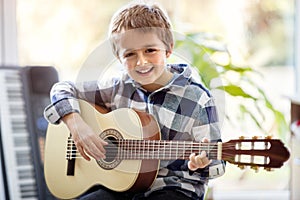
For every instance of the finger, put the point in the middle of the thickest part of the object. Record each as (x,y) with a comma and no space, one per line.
(95,152)
(192,162)
(202,154)
(191,166)
(80,149)
(82,153)
(103,142)
(100,145)
(205,139)
(198,161)
(202,160)
(192,156)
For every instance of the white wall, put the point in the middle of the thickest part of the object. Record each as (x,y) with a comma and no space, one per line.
(8,33)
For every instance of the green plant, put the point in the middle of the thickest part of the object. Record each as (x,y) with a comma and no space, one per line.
(212,59)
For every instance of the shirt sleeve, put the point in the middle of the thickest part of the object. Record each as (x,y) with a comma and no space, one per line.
(63,97)
(54,112)
(208,126)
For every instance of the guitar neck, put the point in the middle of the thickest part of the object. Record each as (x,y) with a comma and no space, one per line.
(160,149)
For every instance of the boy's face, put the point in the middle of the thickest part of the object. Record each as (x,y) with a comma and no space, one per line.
(144,57)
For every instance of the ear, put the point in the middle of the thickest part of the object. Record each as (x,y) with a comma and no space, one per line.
(170,51)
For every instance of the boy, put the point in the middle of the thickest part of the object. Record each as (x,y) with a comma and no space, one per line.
(142,41)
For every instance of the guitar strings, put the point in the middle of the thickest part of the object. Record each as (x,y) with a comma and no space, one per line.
(132,156)
(144,155)
(155,149)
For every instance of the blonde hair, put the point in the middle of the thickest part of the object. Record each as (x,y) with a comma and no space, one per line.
(143,17)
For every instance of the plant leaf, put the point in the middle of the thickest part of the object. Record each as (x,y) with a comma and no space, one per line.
(234,90)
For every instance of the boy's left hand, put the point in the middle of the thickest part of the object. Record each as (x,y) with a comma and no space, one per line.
(199,161)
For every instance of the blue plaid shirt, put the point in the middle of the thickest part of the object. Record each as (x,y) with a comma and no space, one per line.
(183,108)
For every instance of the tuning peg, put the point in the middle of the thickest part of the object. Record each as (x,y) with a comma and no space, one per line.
(269,137)
(242,137)
(268,169)
(241,166)
(255,168)
(255,137)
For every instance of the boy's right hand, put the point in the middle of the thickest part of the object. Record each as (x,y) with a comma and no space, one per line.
(86,140)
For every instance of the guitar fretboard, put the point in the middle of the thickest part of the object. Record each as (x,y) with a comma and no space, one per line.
(160,149)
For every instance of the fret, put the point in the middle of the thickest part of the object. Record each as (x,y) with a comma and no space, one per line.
(200,148)
(143,157)
(122,145)
(128,149)
(123,149)
(153,149)
(164,150)
(208,150)
(139,150)
(170,150)
(134,148)
(148,149)
(177,148)
(119,149)
(182,150)
(131,148)
(158,149)
(191,149)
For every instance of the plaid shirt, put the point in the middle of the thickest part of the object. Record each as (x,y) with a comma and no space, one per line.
(183,108)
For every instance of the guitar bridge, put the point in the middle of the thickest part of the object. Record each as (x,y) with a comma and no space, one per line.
(71,156)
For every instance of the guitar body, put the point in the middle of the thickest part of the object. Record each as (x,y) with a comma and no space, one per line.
(68,179)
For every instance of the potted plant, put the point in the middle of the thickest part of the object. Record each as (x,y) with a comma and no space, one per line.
(212,61)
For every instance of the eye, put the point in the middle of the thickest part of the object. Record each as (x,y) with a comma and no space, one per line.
(151,50)
(128,55)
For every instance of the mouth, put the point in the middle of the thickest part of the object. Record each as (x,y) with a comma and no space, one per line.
(144,71)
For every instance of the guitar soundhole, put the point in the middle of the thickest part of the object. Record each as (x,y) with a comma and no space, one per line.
(111,149)
(111,136)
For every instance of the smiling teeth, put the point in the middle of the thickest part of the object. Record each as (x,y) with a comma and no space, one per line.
(144,71)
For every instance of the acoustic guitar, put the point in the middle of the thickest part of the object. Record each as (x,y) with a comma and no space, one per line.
(134,152)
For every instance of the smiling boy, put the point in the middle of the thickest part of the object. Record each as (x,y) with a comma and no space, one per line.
(142,41)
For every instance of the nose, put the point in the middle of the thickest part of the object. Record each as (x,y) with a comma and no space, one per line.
(141,59)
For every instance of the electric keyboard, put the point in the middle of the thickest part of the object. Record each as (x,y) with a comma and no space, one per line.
(24,93)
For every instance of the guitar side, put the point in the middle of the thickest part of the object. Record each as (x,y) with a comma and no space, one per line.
(128,175)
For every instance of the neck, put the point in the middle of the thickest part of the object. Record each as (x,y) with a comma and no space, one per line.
(159,83)
(163,150)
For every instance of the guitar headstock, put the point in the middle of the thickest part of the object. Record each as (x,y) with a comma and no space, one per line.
(267,153)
